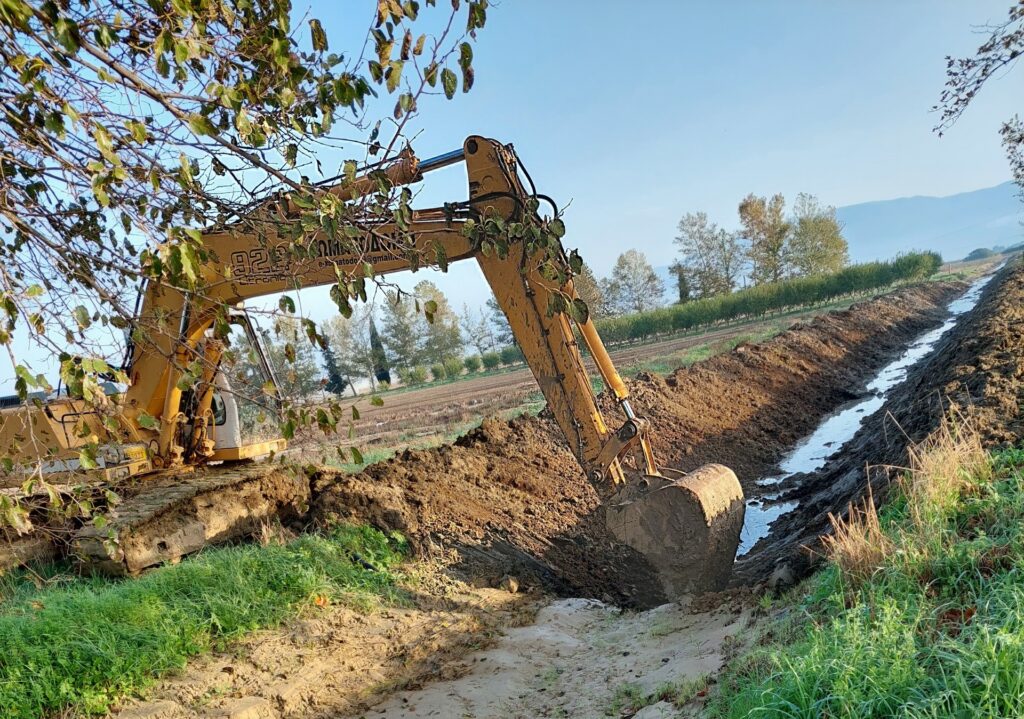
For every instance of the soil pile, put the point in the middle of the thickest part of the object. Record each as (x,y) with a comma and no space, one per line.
(511,499)
(976,369)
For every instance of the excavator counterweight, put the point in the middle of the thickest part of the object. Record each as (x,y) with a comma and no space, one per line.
(686,525)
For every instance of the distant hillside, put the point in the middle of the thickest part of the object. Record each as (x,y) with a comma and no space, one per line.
(952,225)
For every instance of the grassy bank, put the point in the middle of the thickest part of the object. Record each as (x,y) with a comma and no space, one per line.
(68,641)
(920,612)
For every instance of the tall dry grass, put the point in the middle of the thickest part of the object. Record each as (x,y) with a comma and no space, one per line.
(942,468)
(948,463)
(857,544)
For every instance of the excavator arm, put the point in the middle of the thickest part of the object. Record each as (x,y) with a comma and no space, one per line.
(686,526)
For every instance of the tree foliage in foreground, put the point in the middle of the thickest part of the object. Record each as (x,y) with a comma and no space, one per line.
(129,128)
(966,76)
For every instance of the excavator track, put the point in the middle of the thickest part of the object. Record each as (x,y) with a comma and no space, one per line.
(166,517)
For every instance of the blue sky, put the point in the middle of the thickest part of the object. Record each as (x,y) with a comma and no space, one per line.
(637,112)
(640,112)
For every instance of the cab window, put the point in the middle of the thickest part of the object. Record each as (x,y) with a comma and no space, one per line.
(220,410)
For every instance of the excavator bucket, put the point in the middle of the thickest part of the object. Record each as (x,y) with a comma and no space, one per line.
(686,525)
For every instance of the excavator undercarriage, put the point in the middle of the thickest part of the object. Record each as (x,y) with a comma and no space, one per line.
(686,525)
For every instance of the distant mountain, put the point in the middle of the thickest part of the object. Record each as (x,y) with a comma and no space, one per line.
(952,225)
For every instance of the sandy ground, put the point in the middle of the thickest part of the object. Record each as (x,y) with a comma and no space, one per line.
(582,658)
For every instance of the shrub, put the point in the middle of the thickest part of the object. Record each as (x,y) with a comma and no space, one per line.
(490,360)
(472,364)
(453,367)
(762,299)
(413,376)
(437,372)
(511,355)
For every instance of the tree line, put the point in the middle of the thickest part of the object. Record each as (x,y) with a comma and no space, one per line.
(774,260)
(758,300)
(770,245)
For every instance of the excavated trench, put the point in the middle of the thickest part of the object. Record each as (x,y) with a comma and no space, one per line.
(509,499)
(812,453)
(975,370)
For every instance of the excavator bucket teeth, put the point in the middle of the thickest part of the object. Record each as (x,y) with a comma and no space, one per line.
(687,528)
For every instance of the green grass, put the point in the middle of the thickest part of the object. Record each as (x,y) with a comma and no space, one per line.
(77,642)
(934,629)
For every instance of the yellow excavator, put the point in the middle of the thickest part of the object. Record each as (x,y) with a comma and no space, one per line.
(686,525)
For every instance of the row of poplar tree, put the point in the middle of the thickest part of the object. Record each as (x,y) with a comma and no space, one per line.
(393,341)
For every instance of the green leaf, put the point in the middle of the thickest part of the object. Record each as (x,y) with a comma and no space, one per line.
(87,457)
(286,304)
(138,130)
(430,309)
(449,82)
(302,200)
(81,315)
(147,421)
(465,55)
(34,291)
(319,37)
(201,125)
(557,228)
(66,31)
(350,170)
(357,456)
(355,413)
(376,401)
(442,258)
(394,75)
(189,262)
(579,311)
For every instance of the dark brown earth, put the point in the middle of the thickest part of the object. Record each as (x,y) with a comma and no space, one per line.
(510,498)
(976,372)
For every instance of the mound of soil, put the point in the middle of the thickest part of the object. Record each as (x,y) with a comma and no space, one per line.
(976,369)
(511,499)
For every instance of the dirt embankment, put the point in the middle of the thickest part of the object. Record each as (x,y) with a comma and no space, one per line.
(977,370)
(510,497)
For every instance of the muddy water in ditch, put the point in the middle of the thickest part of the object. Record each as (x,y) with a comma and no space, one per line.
(813,452)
